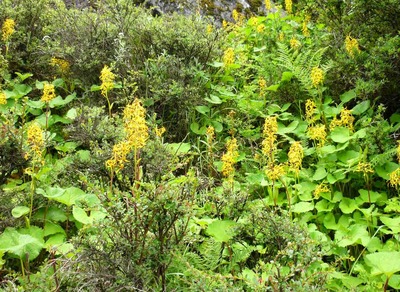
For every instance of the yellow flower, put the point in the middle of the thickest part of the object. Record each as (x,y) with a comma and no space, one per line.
(320,189)
(364,167)
(135,124)
(229,158)
(61,64)
(3,98)
(209,29)
(351,45)
(119,156)
(346,118)
(310,110)
(395,178)
(35,142)
(304,29)
(260,27)
(269,134)
(159,131)
(235,15)
(229,57)
(295,156)
(210,135)
(288,6)
(294,43)
(8,29)
(275,172)
(107,80)
(317,133)
(224,24)
(398,151)
(48,92)
(268,5)
(281,36)
(253,21)
(317,76)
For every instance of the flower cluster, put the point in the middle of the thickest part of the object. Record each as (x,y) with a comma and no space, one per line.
(351,46)
(48,92)
(268,5)
(229,158)
(394,178)
(209,29)
(229,57)
(346,120)
(310,111)
(317,133)
(135,126)
(274,172)
(119,156)
(3,98)
(159,131)
(364,167)
(35,142)
(61,64)
(260,28)
(107,78)
(262,83)
(304,27)
(269,134)
(320,189)
(295,156)
(294,43)
(8,29)
(288,6)
(317,76)
(237,17)
(210,133)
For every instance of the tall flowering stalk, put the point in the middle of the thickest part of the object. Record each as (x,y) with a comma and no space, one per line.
(351,45)
(229,159)
(7,30)
(295,157)
(107,78)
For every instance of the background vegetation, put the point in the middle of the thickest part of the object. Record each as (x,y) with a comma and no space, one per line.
(174,153)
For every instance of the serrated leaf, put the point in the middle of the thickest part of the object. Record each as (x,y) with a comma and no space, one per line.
(387,263)
(222,230)
(348,205)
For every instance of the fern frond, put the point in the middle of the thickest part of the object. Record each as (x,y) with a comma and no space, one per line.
(381,159)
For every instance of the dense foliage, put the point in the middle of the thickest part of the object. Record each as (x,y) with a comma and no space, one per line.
(168,154)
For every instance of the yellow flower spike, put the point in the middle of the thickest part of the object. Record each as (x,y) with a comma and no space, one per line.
(317,133)
(364,167)
(351,46)
(8,29)
(281,36)
(135,125)
(235,15)
(295,156)
(61,64)
(275,172)
(119,158)
(398,151)
(320,189)
(317,76)
(394,178)
(294,43)
(159,131)
(260,28)
(310,110)
(229,158)
(269,134)
(107,78)
(48,92)
(304,29)
(3,98)
(229,57)
(210,133)
(288,6)
(268,5)
(346,119)
(35,141)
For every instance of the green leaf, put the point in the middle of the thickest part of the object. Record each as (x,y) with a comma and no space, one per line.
(385,262)
(222,230)
(349,156)
(53,213)
(59,101)
(273,88)
(20,244)
(95,88)
(51,228)
(340,135)
(303,207)
(392,223)
(24,76)
(67,147)
(348,205)
(81,216)
(330,221)
(178,148)
(20,211)
(67,196)
(356,234)
(286,76)
(361,107)
(195,127)
(320,173)
(203,109)
(289,129)
(54,241)
(324,206)
(71,114)
(347,96)
(214,99)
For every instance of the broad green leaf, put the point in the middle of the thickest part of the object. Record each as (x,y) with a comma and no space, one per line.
(330,221)
(203,109)
(273,88)
(340,135)
(67,196)
(347,96)
(195,127)
(392,223)
(20,211)
(218,127)
(222,230)
(24,76)
(366,196)
(286,76)
(35,104)
(320,173)
(282,129)
(54,240)
(67,147)
(53,213)
(178,148)
(52,228)
(303,207)
(348,205)
(59,101)
(394,281)
(356,234)
(324,206)
(348,156)
(361,107)
(387,263)
(214,99)
(19,243)
(81,216)
(71,114)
